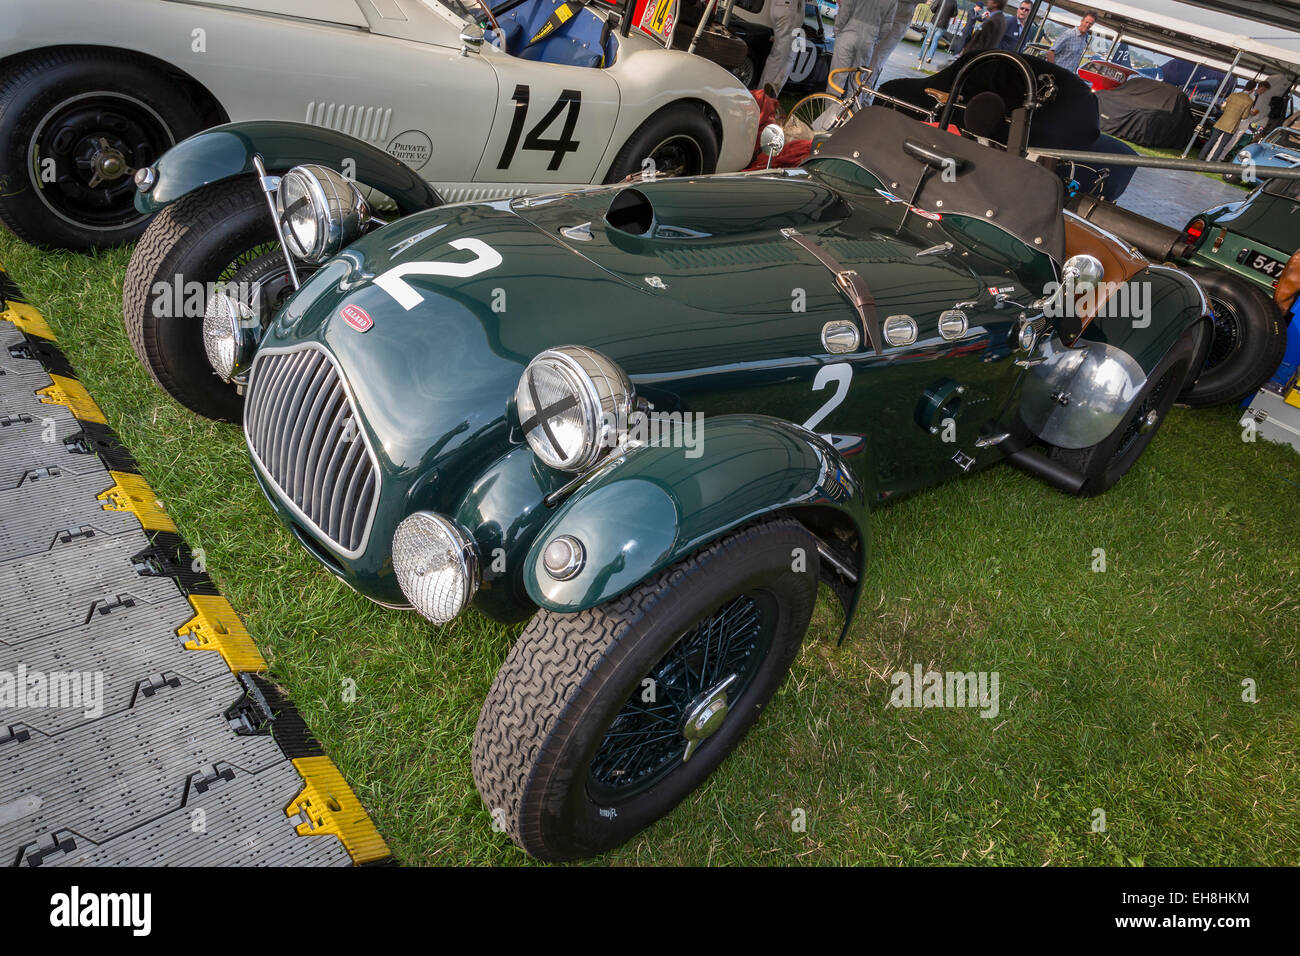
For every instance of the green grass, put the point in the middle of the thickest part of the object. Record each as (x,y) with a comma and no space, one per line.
(1121,691)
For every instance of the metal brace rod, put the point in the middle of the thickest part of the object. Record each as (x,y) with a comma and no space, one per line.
(1154,162)
(705,17)
(270,185)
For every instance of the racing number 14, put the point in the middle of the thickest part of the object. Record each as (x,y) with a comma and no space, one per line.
(569,99)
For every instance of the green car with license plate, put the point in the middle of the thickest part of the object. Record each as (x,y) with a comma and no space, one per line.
(1252,239)
(649,418)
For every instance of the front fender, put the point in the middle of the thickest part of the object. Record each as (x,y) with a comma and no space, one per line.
(226,151)
(654,505)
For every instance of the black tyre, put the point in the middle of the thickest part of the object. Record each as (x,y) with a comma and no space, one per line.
(1105,463)
(74,127)
(679,140)
(1247,344)
(581,741)
(216,235)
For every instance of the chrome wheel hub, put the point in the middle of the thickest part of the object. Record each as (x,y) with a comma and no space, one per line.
(705,715)
(107,164)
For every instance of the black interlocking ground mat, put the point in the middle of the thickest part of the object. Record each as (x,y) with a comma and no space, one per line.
(138,725)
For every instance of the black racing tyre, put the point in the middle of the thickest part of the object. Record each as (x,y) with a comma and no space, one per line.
(1248,341)
(580,743)
(74,127)
(202,240)
(679,139)
(1105,463)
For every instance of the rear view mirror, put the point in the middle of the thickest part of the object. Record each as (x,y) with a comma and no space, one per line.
(471,36)
(771,141)
(1082,273)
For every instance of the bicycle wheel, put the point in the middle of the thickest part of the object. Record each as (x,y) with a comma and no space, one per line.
(821,112)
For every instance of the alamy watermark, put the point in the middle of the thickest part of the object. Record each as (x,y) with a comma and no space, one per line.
(53,690)
(179,299)
(1105,300)
(661,429)
(977,690)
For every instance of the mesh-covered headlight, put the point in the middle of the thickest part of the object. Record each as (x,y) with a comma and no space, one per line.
(320,211)
(228,337)
(572,402)
(436,565)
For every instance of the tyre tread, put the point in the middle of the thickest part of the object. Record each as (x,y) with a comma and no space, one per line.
(544,674)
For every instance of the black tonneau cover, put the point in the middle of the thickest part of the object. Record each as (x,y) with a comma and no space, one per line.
(1021,197)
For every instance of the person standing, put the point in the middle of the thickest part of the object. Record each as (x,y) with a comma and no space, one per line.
(890,37)
(1016,27)
(1068,50)
(973,20)
(943,15)
(859,25)
(1237,108)
(787,30)
(989,33)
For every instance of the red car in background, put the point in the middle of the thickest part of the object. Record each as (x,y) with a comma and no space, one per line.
(1104,75)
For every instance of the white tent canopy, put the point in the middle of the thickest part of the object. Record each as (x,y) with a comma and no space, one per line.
(1172,25)
(1199,31)
(1280,13)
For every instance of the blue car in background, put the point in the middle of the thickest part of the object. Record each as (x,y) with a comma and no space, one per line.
(1279,149)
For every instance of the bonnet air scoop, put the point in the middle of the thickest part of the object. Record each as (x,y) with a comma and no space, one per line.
(680,209)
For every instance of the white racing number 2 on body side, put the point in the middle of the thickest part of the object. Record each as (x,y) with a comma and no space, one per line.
(394,280)
(840,374)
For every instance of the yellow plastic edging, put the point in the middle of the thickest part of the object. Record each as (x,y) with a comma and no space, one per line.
(328,805)
(132,493)
(71,393)
(216,627)
(27,318)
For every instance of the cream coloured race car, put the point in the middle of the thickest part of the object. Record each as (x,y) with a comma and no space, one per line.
(484,102)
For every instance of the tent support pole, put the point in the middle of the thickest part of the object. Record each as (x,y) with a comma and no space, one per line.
(1230,75)
(1042,27)
(1110,54)
(1024,34)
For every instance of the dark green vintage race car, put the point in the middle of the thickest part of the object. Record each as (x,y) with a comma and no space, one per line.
(652,417)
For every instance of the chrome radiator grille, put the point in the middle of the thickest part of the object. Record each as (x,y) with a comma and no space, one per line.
(302,430)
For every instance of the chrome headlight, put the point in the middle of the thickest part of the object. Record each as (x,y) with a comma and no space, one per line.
(436,564)
(228,335)
(320,211)
(573,404)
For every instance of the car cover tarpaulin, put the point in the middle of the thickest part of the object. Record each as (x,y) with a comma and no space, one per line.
(1020,197)
(1147,112)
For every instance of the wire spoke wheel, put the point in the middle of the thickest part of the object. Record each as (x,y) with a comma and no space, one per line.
(601,721)
(646,741)
(821,112)
(1147,416)
(1226,335)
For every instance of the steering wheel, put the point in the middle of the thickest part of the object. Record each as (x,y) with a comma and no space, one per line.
(1031,102)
